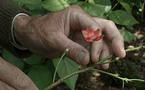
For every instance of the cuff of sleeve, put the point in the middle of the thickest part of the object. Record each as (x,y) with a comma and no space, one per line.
(8,10)
(15,43)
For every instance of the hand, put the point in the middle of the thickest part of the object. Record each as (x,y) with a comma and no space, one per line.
(11,78)
(51,34)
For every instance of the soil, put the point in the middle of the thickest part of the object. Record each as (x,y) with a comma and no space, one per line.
(132,66)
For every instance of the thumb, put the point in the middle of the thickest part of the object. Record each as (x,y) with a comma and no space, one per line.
(76,52)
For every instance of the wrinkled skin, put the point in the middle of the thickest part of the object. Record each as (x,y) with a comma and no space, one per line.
(51,34)
(11,78)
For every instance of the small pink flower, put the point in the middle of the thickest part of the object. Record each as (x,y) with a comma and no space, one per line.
(90,35)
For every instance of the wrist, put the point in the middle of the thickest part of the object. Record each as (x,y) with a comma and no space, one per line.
(18,24)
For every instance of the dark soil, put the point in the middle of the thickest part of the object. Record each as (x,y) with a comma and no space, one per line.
(132,66)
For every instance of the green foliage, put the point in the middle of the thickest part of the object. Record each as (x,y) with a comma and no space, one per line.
(121,17)
(103,2)
(18,62)
(28,1)
(127,35)
(92,9)
(71,1)
(66,67)
(54,5)
(122,12)
(137,85)
(41,76)
(32,60)
(126,6)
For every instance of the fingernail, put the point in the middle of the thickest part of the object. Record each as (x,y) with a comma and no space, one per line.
(123,49)
(81,56)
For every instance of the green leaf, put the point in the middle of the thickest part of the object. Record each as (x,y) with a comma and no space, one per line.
(105,3)
(50,66)
(121,17)
(28,1)
(66,67)
(54,5)
(33,7)
(127,35)
(32,60)
(126,6)
(71,1)
(41,76)
(91,1)
(18,62)
(37,13)
(137,85)
(92,9)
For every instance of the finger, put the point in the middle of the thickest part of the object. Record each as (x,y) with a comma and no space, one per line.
(14,77)
(76,52)
(113,35)
(106,51)
(96,50)
(79,19)
(4,86)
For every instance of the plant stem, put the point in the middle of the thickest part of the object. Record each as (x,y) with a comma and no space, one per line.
(92,68)
(58,64)
(116,76)
(122,84)
(111,9)
(62,79)
(100,62)
(135,48)
(90,53)
(109,62)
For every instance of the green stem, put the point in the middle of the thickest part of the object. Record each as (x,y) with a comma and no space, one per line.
(58,64)
(135,48)
(70,75)
(111,9)
(122,84)
(101,61)
(90,53)
(109,62)
(116,76)
(140,80)
(92,68)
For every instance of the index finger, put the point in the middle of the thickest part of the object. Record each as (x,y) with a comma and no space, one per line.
(15,77)
(113,35)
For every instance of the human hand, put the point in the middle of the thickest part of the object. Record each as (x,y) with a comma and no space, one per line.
(11,78)
(51,34)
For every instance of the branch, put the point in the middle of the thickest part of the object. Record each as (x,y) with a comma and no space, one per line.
(91,68)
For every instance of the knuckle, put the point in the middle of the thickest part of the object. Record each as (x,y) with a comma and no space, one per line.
(71,47)
(74,8)
(109,22)
(23,82)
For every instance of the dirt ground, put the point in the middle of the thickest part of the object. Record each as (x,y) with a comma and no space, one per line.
(132,66)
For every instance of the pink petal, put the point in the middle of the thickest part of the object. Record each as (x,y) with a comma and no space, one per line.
(85,34)
(88,39)
(97,32)
(99,37)
(90,31)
